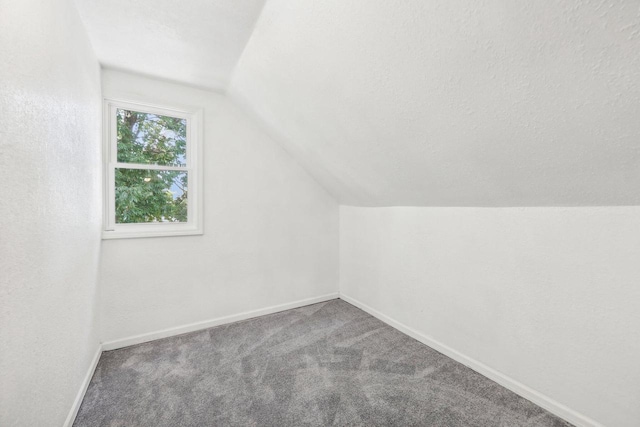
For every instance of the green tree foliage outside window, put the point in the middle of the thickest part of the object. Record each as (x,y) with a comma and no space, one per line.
(150,195)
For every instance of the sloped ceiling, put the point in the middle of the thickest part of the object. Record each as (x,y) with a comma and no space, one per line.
(453,103)
(195,41)
(413,102)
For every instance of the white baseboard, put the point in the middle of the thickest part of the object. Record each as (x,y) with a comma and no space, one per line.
(192,327)
(83,389)
(528,393)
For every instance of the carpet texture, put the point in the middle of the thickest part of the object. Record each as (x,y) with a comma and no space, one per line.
(320,365)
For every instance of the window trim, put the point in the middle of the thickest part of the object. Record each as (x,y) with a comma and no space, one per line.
(195,207)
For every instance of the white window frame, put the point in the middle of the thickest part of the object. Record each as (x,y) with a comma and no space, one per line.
(193,226)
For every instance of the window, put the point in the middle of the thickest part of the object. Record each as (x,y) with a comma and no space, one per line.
(153,177)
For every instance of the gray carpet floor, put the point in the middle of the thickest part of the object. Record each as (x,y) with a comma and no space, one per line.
(319,365)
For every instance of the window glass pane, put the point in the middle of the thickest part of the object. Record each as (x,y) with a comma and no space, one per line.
(150,196)
(151,139)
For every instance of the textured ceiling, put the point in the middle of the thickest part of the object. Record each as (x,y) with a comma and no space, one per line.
(426,103)
(453,103)
(195,41)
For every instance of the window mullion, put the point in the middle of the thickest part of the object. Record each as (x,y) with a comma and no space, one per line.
(150,167)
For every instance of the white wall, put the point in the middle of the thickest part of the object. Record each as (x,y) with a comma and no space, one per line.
(547,296)
(271,232)
(49,210)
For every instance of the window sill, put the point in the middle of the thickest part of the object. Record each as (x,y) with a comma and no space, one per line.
(120,234)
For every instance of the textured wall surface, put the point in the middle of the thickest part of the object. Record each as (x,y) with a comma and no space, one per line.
(270,231)
(50,210)
(547,296)
(453,103)
(196,42)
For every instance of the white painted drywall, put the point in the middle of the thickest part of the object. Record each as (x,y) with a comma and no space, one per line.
(548,296)
(270,231)
(49,209)
(196,41)
(453,103)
